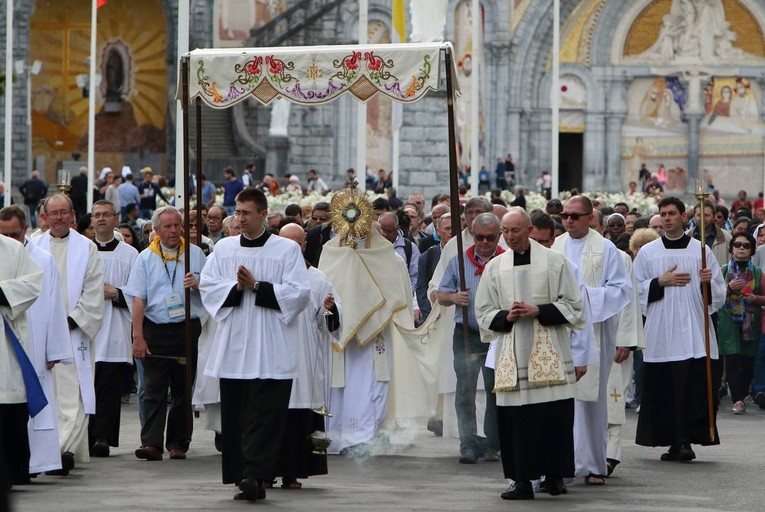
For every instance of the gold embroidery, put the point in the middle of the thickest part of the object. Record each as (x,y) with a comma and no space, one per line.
(545,364)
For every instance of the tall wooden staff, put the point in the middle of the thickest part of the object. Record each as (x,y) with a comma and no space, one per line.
(454,193)
(701,195)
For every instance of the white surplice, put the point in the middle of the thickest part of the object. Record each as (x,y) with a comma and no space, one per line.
(82,280)
(609,290)
(206,395)
(674,325)
(310,329)
(250,341)
(114,341)
(47,321)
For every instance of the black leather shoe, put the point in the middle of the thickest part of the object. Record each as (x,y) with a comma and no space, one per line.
(519,491)
(686,453)
(554,486)
(252,490)
(99,449)
(672,455)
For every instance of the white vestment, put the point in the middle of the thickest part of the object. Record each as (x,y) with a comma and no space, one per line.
(114,341)
(206,396)
(547,279)
(250,341)
(609,289)
(47,321)
(82,280)
(629,333)
(310,328)
(674,325)
(373,357)
(21,282)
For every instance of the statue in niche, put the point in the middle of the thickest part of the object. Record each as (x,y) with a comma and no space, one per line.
(695,31)
(115,77)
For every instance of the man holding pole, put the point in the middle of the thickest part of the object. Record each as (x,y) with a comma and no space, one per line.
(681,357)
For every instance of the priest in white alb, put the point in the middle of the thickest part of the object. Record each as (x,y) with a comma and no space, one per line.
(609,290)
(253,285)
(46,320)
(373,283)
(20,285)
(82,280)
(114,347)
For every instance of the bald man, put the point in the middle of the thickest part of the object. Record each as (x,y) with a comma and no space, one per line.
(313,326)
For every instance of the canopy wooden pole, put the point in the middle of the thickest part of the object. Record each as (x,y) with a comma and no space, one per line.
(187,254)
(701,195)
(454,193)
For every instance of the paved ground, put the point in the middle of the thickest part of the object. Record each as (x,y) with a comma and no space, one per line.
(423,475)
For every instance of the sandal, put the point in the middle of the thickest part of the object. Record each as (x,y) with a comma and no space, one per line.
(594,480)
(291,484)
(611,464)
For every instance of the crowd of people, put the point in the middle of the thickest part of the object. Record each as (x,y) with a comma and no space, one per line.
(571,314)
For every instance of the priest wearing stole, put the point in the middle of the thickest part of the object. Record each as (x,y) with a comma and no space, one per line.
(82,281)
(46,320)
(253,285)
(20,284)
(529,299)
(673,411)
(609,290)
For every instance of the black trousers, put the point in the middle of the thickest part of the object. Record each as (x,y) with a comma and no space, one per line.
(467,369)
(109,381)
(159,373)
(739,370)
(14,445)
(537,439)
(253,418)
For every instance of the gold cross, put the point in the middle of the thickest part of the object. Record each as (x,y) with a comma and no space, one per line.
(615,396)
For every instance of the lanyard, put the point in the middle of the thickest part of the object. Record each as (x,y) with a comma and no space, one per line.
(164,262)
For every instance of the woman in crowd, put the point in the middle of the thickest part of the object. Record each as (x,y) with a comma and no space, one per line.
(739,320)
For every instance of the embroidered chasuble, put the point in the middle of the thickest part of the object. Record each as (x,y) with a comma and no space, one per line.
(533,362)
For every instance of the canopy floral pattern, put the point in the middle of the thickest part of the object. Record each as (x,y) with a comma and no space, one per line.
(403,72)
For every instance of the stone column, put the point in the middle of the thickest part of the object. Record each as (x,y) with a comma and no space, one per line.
(694,120)
(513,136)
(613,139)
(594,152)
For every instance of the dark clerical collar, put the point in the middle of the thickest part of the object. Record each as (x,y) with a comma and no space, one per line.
(678,243)
(523,258)
(260,241)
(107,246)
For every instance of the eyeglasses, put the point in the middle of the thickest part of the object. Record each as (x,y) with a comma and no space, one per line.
(212,217)
(58,215)
(742,245)
(573,216)
(105,215)
(319,219)
(488,238)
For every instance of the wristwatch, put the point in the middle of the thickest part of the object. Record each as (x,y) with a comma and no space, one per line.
(255,287)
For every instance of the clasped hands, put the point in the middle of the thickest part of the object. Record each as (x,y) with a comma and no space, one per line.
(672,278)
(244,279)
(521,309)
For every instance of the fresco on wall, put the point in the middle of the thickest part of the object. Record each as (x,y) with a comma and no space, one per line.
(235,19)
(654,132)
(732,106)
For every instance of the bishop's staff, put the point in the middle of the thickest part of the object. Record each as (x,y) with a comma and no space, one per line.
(701,195)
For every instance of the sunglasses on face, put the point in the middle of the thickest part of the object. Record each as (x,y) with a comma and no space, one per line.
(742,245)
(573,216)
(488,238)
